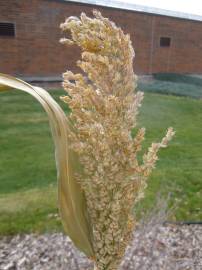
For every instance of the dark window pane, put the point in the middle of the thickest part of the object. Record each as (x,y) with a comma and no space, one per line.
(7,29)
(164,41)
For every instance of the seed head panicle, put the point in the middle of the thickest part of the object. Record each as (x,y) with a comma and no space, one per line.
(104,107)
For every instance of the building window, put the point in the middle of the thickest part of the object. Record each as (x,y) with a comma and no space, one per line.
(165,41)
(7,29)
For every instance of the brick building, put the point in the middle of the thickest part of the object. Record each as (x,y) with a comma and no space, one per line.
(29,33)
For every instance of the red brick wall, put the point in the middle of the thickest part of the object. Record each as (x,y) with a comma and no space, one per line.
(183,56)
(35,51)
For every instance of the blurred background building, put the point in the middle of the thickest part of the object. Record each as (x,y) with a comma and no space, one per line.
(164,41)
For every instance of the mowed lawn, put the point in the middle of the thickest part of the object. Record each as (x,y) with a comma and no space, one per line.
(28,185)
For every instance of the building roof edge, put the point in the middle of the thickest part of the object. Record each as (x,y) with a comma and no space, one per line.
(139,8)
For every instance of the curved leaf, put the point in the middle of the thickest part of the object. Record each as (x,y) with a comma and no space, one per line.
(70,196)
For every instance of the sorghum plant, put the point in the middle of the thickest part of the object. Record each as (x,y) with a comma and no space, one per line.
(100,177)
(104,108)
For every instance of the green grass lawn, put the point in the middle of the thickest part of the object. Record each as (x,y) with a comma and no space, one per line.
(28,193)
(174,84)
